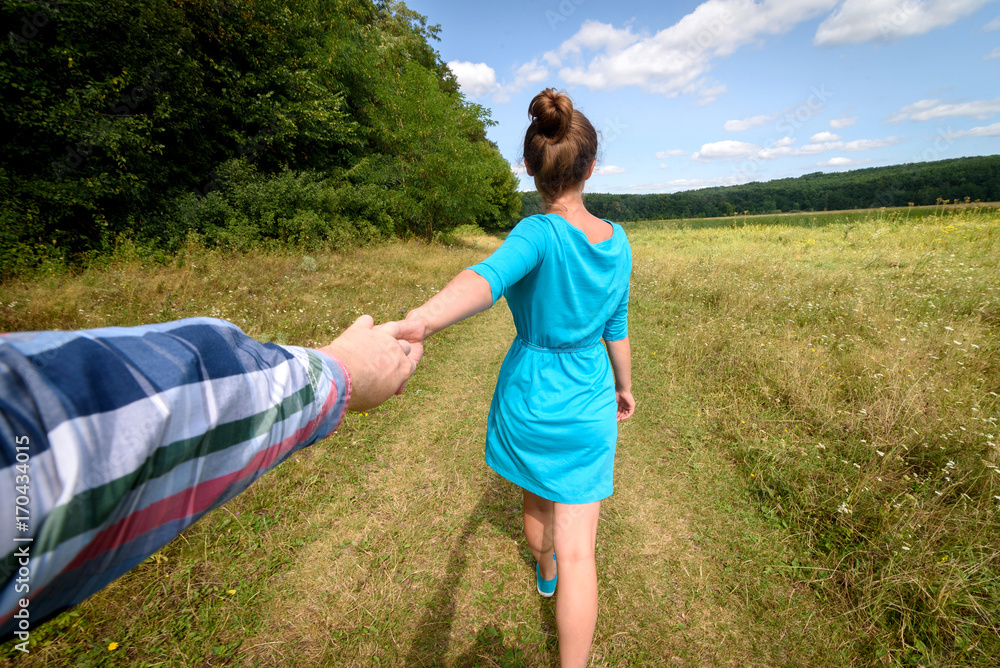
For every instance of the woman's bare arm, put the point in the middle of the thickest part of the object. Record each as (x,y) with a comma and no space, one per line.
(466,295)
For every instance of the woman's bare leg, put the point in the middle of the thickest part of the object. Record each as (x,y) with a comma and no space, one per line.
(538,515)
(574,539)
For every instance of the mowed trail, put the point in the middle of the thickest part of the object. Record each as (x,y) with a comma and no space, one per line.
(421,560)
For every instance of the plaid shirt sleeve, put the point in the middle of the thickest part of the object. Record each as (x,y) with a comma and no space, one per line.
(114,440)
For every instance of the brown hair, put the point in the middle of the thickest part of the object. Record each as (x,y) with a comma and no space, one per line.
(560,144)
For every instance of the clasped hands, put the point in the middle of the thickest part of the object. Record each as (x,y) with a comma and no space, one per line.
(379,358)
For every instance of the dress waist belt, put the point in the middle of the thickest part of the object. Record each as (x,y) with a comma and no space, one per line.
(557,351)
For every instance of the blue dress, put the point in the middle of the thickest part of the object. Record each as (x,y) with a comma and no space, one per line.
(552,427)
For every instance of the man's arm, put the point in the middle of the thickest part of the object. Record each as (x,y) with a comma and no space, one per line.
(124,437)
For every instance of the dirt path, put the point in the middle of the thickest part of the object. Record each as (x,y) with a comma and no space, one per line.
(422,562)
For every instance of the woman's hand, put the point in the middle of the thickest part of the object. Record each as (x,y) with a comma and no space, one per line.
(626,404)
(380,359)
(415,326)
(620,353)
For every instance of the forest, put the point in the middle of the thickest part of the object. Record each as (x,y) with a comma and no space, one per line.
(236,123)
(246,123)
(956,180)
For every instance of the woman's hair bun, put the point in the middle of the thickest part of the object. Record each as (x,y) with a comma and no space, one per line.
(552,114)
(560,144)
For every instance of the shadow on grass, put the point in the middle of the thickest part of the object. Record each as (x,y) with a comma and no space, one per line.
(499,505)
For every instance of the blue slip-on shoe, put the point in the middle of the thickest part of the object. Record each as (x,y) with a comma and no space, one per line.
(545,587)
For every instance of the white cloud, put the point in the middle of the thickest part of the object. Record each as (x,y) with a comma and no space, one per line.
(869,144)
(663,155)
(750,122)
(819,143)
(995,53)
(475,79)
(820,137)
(518,168)
(925,110)
(529,73)
(843,122)
(709,94)
(677,59)
(726,150)
(688,184)
(858,21)
(909,110)
(841,162)
(479,79)
(982,131)
(609,170)
(776,152)
(992,25)
(592,36)
(856,145)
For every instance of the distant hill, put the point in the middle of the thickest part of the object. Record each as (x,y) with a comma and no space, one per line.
(920,183)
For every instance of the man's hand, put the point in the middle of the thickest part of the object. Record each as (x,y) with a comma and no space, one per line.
(379,359)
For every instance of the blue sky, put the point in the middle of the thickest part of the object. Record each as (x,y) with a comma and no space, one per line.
(688,94)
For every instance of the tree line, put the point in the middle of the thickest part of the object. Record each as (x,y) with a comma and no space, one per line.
(956,180)
(239,121)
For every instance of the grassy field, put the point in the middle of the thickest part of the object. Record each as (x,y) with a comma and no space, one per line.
(902,214)
(810,478)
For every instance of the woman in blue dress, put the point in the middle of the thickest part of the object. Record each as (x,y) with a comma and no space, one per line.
(552,426)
